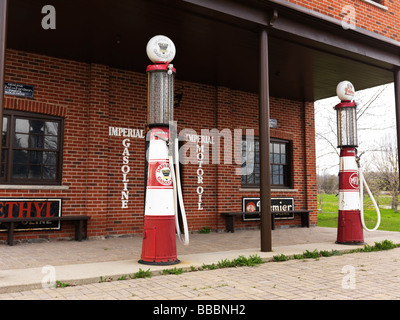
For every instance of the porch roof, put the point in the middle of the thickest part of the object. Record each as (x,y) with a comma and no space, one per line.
(217,42)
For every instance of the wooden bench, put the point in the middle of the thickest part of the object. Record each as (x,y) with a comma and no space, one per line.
(79,225)
(230,218)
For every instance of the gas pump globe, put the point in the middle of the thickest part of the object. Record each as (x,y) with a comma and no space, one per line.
(161,51)
(346,116)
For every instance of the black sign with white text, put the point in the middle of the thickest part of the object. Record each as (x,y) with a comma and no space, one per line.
(252,206)
(18,90)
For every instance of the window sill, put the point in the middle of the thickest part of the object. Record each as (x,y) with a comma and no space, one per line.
(381,6)
(272,190)
(31,187)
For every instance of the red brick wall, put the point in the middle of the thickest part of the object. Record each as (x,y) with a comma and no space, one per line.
(92,98)
(368,16)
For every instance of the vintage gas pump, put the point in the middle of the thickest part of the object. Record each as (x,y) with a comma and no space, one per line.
(350,220)
(163,190)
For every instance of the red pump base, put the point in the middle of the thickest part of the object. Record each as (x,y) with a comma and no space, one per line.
(350,229)
(159,241)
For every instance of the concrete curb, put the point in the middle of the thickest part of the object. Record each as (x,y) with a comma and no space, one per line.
(86,273)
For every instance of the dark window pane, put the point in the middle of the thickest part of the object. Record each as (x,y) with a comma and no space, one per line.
(50,158)
(257,168)
(19,171)
(20,156)
(3,162)
(250,179)
(49,172)
(35,172)
(36,142)
(3,155)
(36,126)
(35,157)
(4,139)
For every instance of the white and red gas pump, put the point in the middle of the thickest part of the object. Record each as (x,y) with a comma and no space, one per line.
(351,219)
(163,190)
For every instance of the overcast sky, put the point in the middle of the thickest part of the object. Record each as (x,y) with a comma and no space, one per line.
(376,112)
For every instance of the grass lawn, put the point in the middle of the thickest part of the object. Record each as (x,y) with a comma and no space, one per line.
(328,216)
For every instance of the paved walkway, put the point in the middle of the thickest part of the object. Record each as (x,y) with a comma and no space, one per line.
(373,275)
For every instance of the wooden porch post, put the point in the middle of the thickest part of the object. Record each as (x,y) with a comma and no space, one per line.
(3,38)
(397,106)
(265,174)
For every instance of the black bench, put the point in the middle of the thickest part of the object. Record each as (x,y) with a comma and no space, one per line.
(230,218)
(79,225)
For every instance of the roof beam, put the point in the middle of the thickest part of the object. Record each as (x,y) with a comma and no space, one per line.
(320,31)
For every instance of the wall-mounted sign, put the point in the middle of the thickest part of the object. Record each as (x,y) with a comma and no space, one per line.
(30,208)
(252,206)
(18,90)
(273,123)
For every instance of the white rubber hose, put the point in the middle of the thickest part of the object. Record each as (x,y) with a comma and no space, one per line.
(176,181)
(363,182)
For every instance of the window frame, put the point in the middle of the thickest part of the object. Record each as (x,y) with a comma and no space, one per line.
(287,171)
(12,116)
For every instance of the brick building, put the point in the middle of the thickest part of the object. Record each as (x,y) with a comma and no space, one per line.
(76,101)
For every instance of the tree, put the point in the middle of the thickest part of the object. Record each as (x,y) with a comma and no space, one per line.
(386,163)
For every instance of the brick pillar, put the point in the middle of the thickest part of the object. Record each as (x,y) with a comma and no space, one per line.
(310,161)
(223,174)
(3,41)
(97,149)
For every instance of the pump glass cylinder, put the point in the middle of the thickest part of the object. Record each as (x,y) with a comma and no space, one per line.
(160,97)
(347,127)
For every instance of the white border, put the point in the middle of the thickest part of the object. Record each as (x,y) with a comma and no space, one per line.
(381,6)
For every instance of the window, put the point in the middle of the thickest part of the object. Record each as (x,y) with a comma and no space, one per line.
(279,161)
(31,148)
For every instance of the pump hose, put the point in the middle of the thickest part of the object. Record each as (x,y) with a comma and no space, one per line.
(364,182)
(176,182)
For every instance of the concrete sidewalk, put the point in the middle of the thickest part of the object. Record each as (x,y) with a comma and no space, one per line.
(21,266)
